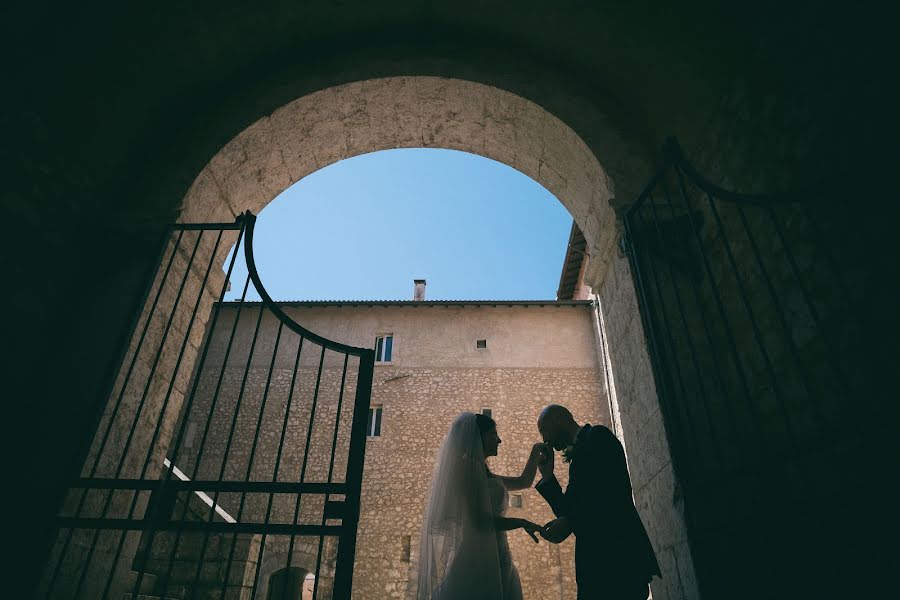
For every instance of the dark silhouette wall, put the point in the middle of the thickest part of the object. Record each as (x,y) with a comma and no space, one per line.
(110,112)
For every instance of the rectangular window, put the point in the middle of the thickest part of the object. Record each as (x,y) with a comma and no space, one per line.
(515,500)
(404,549)
(487,412)
(373,429)
(481,343)
(384,345)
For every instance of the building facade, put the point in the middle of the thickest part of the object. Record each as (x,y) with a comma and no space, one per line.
(433,360)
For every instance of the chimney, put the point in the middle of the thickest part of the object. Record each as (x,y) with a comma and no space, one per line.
(418,290)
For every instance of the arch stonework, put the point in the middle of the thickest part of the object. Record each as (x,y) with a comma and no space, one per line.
(340,122)
(348,120)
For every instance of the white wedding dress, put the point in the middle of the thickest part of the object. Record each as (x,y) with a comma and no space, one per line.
(512,587)
(462,556)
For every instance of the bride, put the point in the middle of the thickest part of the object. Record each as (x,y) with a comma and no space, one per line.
(463,553)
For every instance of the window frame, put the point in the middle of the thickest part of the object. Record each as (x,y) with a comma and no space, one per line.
(384,346)
(375,422)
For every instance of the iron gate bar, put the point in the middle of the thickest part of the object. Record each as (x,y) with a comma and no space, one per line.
(312,419)
(201,526)
(801,199)
(717,368)
(716,442)
(102,405)
(259,421)
(355,459)
(234,421)
(687,475)
(821,440)
(325,514)
(167,480)
(211,485)
(767,201)
(826,331)
(794,451)
(759,201)
(688,208)
(214,401)
(284,425)
(160,514)
(739,366)
(347,544)
(81,455)
(668,330)
(165,406)
(276,309)
(135,420)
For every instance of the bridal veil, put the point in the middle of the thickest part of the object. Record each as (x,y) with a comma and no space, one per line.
(458,553)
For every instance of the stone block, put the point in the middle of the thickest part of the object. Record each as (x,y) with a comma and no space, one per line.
(648,451)
(250,169)
(392,110)
(291,125)
(670,585)
(204,201)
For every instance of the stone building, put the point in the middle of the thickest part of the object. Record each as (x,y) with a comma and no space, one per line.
(435,359)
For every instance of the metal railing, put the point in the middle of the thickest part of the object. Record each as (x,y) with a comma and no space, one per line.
(758,348)
(128,522)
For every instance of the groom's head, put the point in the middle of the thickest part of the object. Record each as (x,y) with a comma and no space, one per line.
(557,426)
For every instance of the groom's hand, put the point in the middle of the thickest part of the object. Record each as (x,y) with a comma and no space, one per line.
(546,466)
(556,530)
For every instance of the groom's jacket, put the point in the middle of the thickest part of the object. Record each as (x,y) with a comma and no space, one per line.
(610,539)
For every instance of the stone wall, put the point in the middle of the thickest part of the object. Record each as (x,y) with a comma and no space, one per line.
(640,426)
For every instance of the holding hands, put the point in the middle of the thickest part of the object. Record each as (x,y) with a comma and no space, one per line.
(531,529)
(556,530)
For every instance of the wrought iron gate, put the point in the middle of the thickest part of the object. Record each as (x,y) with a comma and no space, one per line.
(229,453)
(759,354)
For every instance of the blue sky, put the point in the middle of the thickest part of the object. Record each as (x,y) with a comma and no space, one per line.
(365,227)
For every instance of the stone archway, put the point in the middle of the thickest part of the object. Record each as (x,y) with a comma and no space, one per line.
(340,122)
(412,112)
(324,127)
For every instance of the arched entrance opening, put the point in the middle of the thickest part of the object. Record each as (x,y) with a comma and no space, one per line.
(327,126)
(291,583)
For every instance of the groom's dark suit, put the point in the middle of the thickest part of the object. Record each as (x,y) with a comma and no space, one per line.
(613,555)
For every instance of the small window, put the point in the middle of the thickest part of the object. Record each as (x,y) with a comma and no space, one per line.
(373,429)
(404,548)
(487,412)
(384,346)
(515,500)
(481,343)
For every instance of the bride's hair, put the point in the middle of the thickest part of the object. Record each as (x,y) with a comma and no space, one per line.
(485,423)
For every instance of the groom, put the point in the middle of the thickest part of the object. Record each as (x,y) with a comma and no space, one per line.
(613,556)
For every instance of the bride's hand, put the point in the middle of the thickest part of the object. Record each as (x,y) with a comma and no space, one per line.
(531,528)
(539,453)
